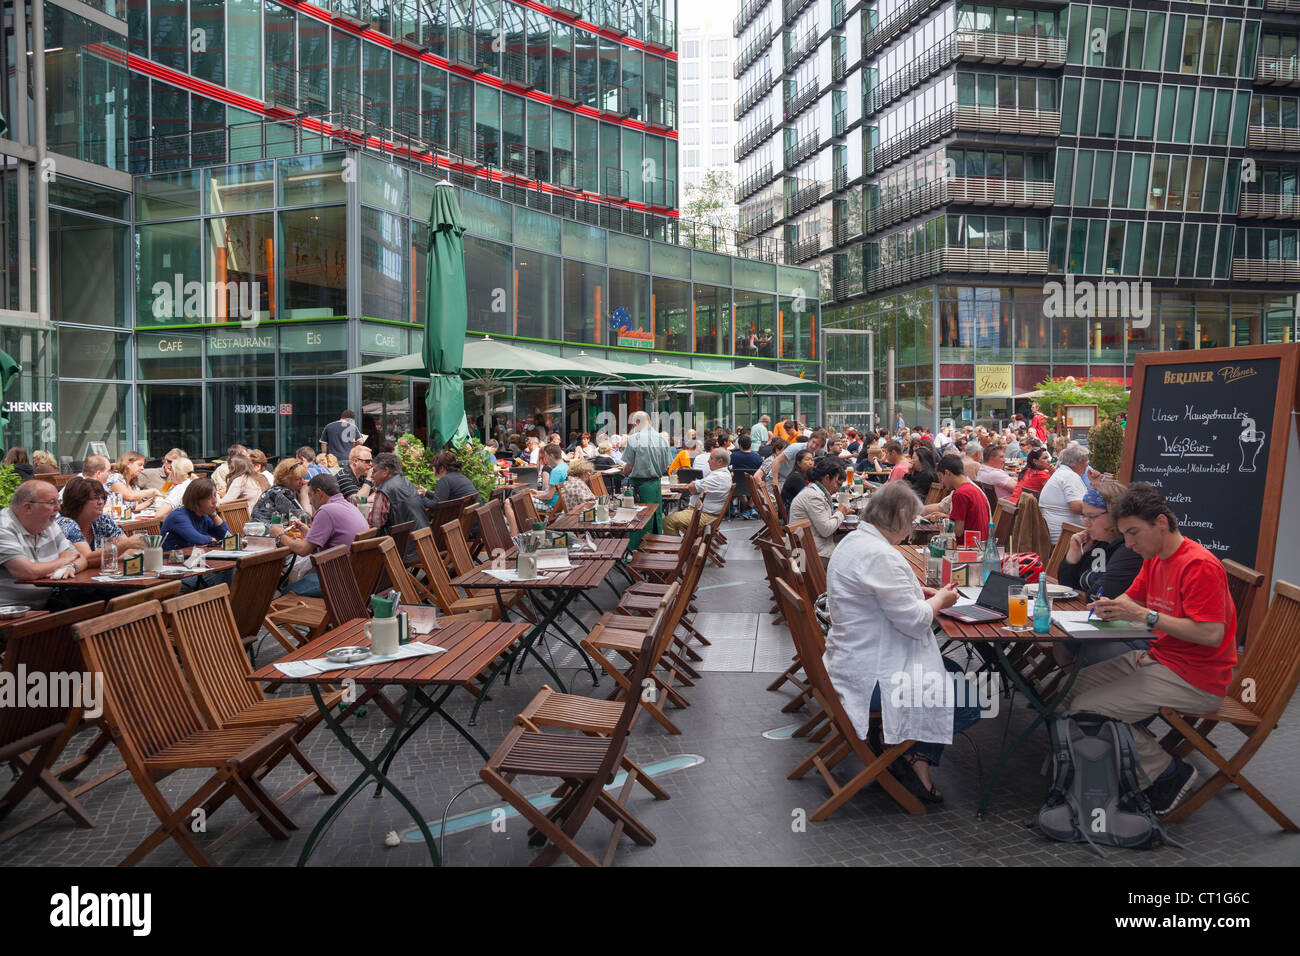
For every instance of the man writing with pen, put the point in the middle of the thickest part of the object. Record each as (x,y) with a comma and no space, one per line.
(1181,596)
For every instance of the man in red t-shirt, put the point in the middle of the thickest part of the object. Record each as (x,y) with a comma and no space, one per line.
(970,506)
(1181,594)
(894,457)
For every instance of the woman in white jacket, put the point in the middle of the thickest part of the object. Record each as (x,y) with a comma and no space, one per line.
(881,653)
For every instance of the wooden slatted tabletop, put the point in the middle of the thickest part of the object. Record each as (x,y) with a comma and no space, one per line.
(606,547)
(574,522)
(585,575)
(470,647)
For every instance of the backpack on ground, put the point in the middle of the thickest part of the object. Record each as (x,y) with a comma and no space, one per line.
(1095,796)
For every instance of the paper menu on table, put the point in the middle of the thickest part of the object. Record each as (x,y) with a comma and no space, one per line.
(1077,624)
(624,515)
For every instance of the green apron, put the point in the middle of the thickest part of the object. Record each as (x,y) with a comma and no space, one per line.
(648,491)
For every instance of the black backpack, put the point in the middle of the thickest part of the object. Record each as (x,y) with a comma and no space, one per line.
(1095,796)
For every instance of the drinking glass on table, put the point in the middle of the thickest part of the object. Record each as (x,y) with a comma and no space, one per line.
(1018,608)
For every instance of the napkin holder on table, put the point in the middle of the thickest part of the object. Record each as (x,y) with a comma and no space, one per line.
(133,566)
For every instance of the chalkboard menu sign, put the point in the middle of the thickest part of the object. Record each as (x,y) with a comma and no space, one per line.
(1209,429)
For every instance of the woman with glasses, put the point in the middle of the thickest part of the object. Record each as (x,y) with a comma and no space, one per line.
(1038,468)
(84,524)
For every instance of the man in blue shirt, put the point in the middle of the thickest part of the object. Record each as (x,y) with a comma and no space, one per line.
(745,460)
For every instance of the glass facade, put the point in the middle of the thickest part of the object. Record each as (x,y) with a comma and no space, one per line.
(966,158)
(251,194)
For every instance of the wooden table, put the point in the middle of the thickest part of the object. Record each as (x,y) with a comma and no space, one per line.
(86,578)
(551,596)
(7,625)
(995,645)
(573,522)
(469,647)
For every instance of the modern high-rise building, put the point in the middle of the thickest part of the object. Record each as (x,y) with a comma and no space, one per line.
(1003,194)
(211,207)
(706,52)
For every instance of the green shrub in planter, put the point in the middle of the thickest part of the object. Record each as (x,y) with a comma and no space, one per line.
(1106,446)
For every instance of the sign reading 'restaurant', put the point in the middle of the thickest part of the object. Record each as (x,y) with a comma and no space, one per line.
(1204,438)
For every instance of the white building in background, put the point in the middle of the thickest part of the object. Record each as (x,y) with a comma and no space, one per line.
(706,123)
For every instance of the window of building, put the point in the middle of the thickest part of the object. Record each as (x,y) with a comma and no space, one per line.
(691,93)
(720,91)
(691,49)
(719,69)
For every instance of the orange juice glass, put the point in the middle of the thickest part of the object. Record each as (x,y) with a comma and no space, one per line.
(1017,607)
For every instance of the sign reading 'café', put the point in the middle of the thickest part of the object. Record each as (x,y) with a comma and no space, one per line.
(1209,429)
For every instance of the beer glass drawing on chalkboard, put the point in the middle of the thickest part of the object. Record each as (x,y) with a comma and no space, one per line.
(1251,441)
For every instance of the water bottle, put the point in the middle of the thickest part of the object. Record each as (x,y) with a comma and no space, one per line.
(992,559)
(109,563)
(1042,607)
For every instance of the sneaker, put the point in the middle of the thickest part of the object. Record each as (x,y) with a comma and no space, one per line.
(1167,792)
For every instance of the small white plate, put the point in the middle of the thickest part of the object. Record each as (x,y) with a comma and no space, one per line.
(13,610)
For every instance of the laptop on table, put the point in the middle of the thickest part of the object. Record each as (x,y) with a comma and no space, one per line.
(991,605)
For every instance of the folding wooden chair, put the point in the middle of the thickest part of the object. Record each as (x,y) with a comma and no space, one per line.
(990,493)
(1006,519)
(252,590)
(492,526)
(210,646)
(1243,585)
(623,636)
(843,740)
(1258,696)
(445,512)
(158,730)
(234,514)
(439,590)
(596,482)
(338,585)
(152,526)
(671,543)
(586,764)
(367,563)
(43,645)
(159,592)
(1061,549)
(525,508)
(366,535)
(935,495)
(594,717)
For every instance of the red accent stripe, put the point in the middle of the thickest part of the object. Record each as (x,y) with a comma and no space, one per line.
(386,41)
(231,98)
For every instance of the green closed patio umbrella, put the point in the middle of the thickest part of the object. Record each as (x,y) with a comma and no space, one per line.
(446,313)
(9,370)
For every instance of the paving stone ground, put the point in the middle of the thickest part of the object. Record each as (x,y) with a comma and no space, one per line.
(734,807)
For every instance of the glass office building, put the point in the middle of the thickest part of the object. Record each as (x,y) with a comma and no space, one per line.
(957,172)
(212,207)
